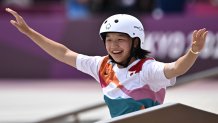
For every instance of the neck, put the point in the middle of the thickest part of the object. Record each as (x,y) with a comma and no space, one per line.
(131,61)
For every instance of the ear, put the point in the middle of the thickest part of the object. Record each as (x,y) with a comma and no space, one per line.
(136,42)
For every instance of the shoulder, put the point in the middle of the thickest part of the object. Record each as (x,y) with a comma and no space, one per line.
(88,60)
(147,61)
(86,57)
(151,63)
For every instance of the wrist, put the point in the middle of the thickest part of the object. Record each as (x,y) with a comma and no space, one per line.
(29,32)
(194,52)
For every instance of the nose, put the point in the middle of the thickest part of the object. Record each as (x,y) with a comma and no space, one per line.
(114,44)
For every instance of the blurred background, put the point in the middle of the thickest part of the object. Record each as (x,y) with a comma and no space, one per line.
(34,86)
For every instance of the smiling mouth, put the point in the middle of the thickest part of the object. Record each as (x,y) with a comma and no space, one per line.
(116,52)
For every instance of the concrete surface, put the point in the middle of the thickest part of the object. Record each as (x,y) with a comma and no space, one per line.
(27,101)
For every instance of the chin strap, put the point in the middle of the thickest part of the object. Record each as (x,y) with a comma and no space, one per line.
(132,54)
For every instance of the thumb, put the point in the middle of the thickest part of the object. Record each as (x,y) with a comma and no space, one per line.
(14,23)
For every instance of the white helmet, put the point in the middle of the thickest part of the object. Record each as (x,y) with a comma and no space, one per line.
(125,24)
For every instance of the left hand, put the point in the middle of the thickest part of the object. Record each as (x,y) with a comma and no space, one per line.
(198,39)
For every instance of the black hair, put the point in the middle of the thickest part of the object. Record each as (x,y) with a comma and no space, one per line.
(139,52)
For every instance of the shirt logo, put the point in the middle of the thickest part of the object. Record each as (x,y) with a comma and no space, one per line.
(131,73)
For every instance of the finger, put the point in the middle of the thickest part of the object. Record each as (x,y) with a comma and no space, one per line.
(205,35)
(14,13)
(11,11)
(194,35)
(203,31)
(200,32)
(14,23)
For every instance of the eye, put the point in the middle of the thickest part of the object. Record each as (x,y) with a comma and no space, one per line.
(121,40)
(108,40)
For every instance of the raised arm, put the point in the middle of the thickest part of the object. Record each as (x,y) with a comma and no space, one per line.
(57,50)
(184,63)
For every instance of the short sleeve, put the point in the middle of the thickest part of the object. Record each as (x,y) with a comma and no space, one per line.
(154,73)
(89,65)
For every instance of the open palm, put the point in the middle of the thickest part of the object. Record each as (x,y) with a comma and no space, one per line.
(198,39)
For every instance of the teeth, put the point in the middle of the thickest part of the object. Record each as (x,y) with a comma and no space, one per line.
(116,51)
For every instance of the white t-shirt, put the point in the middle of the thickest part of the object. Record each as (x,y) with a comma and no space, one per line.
(142,81)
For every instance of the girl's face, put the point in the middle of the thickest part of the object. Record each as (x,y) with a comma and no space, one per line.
(118,45)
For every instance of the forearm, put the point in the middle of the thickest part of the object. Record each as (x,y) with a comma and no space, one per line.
(180,66)
(53,48)
(184,63)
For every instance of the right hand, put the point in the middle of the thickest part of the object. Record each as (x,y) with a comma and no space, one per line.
(19,23)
